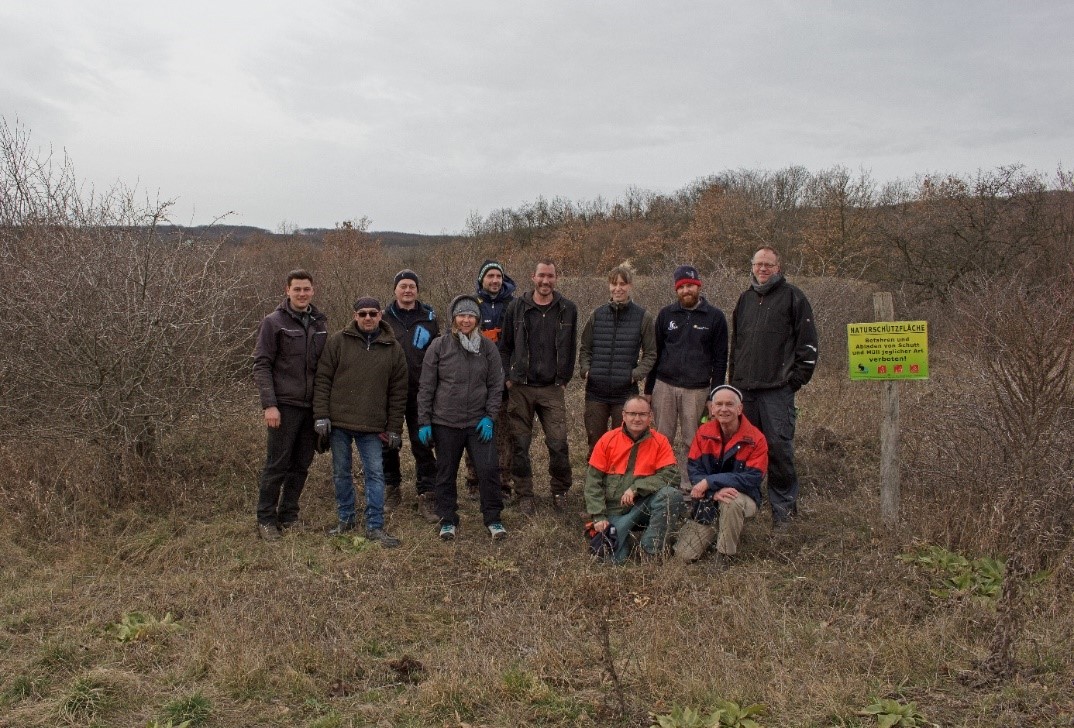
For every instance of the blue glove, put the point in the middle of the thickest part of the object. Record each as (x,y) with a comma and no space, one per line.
(484,429)
(425,434)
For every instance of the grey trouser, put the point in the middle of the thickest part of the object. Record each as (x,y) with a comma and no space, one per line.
(678,408)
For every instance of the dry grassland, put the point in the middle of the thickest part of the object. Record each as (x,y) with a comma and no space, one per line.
(314,632)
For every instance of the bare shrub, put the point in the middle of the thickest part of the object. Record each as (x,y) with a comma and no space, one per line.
(116,334)
(999,437)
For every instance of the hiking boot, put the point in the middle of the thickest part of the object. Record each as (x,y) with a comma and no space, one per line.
(342,528)
(447,532)
(286,526)
(427,507)
(498,532)
(393,497)
(527,506)
(268,531)
(382,537)
(559,502)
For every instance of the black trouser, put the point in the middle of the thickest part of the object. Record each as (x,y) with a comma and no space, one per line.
(450,443)
(772,412)
(290,452)
(424,460)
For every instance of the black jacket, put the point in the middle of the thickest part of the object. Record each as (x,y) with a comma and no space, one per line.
(691,347)
(415,330)
(609,353)
(774,341)
(515,342)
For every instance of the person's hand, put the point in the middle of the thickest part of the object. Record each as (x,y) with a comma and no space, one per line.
(507,384)
(323,426)
(699,490)
(425,434)
(392,440)
(600,526)
(726,495)
(484,429)
(272,417)
(628,497)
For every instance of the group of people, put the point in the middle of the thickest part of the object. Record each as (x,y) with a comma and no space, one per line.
(504,363)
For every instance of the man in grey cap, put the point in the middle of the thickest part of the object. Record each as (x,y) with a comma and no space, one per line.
(359,396)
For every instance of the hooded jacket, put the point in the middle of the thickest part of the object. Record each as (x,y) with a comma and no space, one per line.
(493,307)
(458,387)
(361,385)
(286,354)
(515,342)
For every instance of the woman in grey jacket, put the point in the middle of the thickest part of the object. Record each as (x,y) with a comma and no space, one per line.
(459,397)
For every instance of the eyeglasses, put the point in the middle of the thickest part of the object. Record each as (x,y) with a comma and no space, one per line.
(636,414)
(367,314)
(766,266)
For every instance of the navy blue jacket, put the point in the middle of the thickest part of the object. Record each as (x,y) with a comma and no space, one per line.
(691,347)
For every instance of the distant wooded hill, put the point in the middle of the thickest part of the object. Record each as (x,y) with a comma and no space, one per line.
(243,234)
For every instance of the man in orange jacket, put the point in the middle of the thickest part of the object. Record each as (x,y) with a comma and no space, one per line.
(631,482)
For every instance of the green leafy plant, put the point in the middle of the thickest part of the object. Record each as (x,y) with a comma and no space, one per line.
(192,711)
(893,714)
(957,575)
(727,714)
(139,625)
(353,544)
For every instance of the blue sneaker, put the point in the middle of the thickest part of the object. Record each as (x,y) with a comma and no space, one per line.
(499,533)
(447,532)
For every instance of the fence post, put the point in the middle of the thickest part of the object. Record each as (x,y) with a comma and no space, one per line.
(884,310)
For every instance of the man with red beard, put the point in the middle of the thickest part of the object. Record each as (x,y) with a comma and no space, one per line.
(691,359)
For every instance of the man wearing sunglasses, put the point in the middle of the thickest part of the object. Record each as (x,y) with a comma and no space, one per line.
(773,354)
(360,397)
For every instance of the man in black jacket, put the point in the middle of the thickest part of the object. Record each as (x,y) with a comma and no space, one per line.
(691,359)
(773,353)
(289,343)
(415,326)
(538,349)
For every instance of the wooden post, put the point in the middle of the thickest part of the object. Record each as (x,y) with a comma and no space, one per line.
(884,310)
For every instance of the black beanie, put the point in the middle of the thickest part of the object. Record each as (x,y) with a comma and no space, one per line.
(406,273)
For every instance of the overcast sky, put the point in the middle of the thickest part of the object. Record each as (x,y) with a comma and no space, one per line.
(416,114)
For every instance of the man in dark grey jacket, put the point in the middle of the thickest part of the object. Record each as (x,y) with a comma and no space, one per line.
(289,343)
(538,349)
(773,354)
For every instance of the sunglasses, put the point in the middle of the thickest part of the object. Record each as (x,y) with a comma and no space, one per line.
(367,314)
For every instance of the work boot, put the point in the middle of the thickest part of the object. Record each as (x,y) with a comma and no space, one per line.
(382,537)
(559,502)
(268,531)
(527,506)
(393,497)
(342,528)
(427,508)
